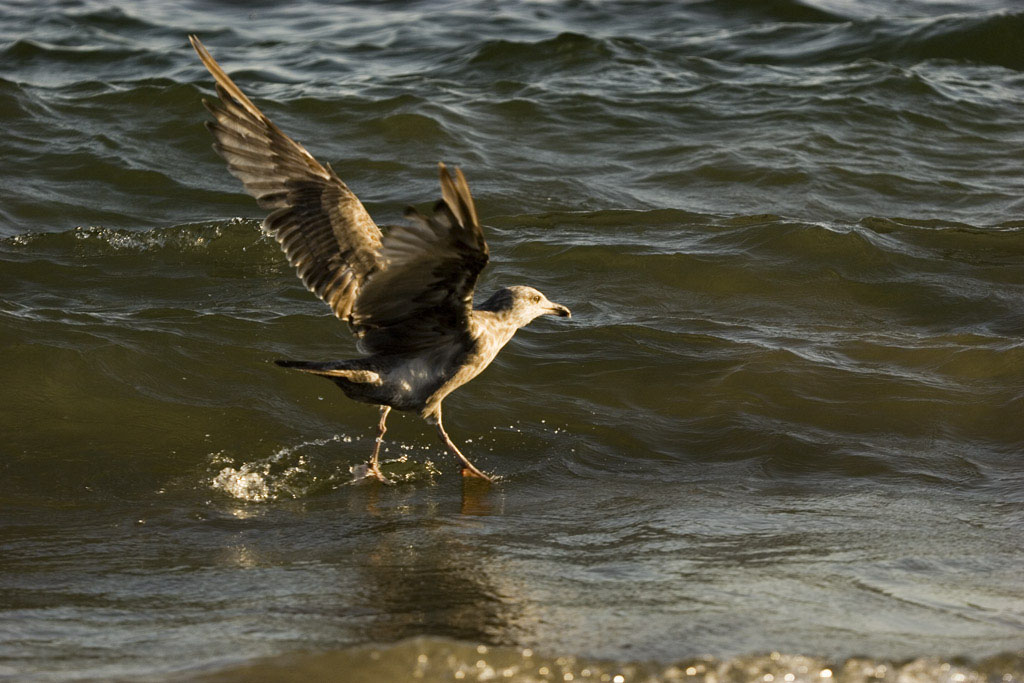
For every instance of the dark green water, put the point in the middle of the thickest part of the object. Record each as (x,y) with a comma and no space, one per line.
(787,414)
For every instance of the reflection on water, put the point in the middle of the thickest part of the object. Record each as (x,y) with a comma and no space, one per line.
(423,578)
(479,498)
(240,556)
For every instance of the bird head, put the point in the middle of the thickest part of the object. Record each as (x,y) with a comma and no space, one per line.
(526,303)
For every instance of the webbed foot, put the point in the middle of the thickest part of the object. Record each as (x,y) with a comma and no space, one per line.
(469,470)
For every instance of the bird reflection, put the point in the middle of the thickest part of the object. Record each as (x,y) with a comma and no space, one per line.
(478,499)
(425,573)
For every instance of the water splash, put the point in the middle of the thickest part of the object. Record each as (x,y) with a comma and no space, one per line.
(287,473)
(400,469)
(306,469)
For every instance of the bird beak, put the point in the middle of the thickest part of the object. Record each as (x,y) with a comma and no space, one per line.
(560,310)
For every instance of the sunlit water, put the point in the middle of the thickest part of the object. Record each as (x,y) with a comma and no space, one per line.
(781,435)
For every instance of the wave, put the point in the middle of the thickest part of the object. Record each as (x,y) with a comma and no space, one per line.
(238,238)
(986,38)
(643,232)
(568,51)
(910,321)
(770,11)
(993,39)
(27,49)
(781,32)
(436,659)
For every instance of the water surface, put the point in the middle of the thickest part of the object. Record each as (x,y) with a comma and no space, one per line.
(786,415)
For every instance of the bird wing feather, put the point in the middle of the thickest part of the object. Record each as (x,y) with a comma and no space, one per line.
(320,224)
(423,297)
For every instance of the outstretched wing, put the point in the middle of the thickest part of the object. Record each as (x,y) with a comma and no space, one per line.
(423,296)
(320,224)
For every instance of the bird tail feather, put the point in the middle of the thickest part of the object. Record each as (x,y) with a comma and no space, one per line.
(332,370)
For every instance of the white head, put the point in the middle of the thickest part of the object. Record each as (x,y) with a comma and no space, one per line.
(523,304)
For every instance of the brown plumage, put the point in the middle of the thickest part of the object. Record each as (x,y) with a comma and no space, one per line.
(407,295)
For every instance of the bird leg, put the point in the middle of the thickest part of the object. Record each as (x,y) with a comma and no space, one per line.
(374,467)
(468,469)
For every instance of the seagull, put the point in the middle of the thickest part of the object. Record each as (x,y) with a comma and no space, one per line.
(407,295)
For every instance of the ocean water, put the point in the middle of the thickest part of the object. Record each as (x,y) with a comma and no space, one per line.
(781,439)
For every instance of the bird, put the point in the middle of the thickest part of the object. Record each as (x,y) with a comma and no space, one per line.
(407,294)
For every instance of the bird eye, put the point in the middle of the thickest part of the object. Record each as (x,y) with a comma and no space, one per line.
(536,298)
